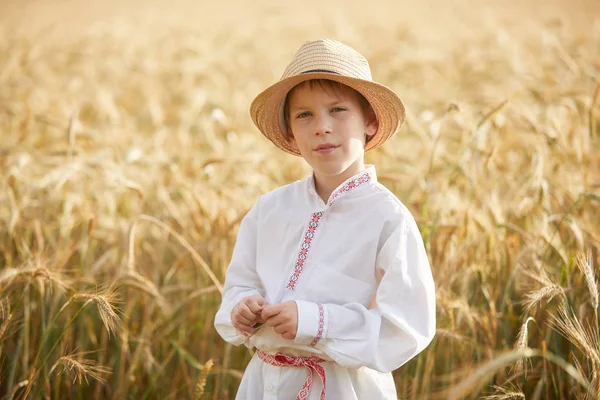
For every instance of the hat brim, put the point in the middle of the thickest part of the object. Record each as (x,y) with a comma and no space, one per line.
(266,109)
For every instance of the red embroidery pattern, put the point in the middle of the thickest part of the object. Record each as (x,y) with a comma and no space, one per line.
(304,248)
(321,325)
(349,185)
(311,363)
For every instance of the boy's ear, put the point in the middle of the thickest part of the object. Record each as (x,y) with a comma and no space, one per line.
(371,124)
(292,141)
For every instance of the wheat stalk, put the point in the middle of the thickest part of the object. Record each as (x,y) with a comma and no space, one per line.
(180,239)
(80,368)
(506,393)
(487,369)
(522,343)
(105,304)
(548,290)
(6,315)
(585,263)
(571,328)
(547,293)
(30,274)
(18,386)
(201,384)
(134,279)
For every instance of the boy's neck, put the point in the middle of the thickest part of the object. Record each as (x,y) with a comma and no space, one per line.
(326,184)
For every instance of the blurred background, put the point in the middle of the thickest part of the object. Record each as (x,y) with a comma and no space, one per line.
(128,158)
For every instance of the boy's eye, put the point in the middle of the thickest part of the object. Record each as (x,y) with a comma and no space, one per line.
(303,115)
(338,109)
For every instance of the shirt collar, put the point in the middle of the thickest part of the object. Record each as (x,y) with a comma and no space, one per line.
(365,176)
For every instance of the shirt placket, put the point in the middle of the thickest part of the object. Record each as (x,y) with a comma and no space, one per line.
(316,220)
(308,238)
(272,383)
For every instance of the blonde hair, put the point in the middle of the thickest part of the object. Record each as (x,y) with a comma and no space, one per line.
(326,85)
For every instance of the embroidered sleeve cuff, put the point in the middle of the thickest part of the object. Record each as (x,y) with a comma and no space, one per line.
(311,323)
(241,332)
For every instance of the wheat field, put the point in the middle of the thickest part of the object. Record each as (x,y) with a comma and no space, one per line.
(128,158)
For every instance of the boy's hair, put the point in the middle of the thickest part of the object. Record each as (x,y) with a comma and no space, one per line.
(327,85)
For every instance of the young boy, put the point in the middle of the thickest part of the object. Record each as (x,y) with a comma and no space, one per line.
(329,279)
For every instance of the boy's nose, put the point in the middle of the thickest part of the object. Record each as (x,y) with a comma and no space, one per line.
(322,125)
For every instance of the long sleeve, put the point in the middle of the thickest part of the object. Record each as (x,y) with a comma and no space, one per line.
(241,279)
(401,324)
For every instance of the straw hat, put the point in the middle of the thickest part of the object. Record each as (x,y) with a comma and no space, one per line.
(327,59)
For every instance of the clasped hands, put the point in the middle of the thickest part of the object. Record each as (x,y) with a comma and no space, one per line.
(250,312)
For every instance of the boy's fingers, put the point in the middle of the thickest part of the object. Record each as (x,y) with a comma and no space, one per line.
(254,306)
(245,328)
(246,312)
(261,301)
(279,329)
(241,319)
(243,307)
(270,311)
(288,335)
(276,320)
(259,319)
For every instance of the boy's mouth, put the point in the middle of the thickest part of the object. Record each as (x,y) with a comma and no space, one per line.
(326,148)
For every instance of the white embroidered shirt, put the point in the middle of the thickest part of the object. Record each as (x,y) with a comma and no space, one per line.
(358,271)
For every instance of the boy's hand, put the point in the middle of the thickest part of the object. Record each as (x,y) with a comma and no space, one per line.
(246,313)
(283,318)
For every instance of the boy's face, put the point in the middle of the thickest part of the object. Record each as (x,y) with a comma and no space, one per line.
(329,128)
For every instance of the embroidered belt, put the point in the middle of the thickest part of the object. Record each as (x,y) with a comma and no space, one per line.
(312,363)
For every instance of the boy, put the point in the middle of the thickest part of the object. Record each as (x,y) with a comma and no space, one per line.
(329,280)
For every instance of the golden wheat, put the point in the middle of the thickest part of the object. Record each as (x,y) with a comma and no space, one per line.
(201,385)
(522,343)
(105,304)
(505,393)
(6,316)
(80,368)
(585,264)
(586,339)
(127,156)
